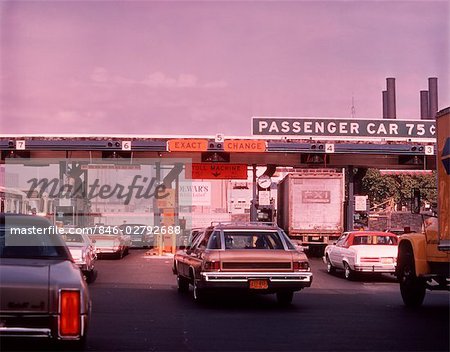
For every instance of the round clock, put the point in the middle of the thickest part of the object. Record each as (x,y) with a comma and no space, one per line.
(264,181)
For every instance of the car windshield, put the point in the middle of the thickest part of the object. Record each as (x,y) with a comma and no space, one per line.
(73,237)
(252,240)
(375,240)
(41,246)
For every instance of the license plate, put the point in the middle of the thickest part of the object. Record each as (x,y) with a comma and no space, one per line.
(387,260)
(259,284)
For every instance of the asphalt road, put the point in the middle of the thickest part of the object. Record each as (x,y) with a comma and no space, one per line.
(136,307)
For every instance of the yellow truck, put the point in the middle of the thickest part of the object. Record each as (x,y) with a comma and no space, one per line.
(423,260)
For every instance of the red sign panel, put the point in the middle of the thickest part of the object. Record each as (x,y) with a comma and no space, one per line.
(187,145)
(219,171)
(245,145)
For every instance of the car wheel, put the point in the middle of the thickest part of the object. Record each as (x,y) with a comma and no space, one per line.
(348,272)
(90,276)
(78,345)
(330,268)
(284,298)
(199,294)
(412,288)
(183,284)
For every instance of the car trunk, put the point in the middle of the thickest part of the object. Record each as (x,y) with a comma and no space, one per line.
(24,286)
(374,251)
(105,241)
(255,260)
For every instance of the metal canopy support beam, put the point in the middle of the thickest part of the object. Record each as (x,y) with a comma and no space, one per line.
(104,145)
(173,174)
(253,210)
(350,199)
(156,210)
(272,146)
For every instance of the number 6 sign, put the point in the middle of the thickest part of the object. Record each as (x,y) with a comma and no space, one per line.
(126,145)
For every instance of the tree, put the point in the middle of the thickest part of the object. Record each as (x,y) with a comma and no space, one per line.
(381,188)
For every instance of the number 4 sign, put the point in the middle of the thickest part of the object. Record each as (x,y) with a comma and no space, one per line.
(329,148)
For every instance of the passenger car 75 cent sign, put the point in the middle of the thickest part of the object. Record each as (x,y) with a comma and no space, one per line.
(301,127)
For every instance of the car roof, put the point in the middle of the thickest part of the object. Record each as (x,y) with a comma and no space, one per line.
(244,226)
(370,233)
(23,219)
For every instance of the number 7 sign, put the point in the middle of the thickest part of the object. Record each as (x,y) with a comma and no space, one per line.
(20,145)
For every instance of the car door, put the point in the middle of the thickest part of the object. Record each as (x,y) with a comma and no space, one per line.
(196,257)
(336,254)
(191,256)
(347,253)
(182,259)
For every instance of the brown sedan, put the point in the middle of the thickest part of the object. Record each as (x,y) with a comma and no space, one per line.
(42,291)
(254,257)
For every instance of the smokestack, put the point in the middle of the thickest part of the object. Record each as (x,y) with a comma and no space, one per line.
(385,104)
(391,109)
(424,105)
(432,97)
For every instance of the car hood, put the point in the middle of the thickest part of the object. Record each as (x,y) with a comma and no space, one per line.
(376,251)
(24,286)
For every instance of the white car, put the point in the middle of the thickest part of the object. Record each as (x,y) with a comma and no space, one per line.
(362,251)
(83,252)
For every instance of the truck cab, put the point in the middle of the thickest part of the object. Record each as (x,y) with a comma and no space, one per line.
(423,260)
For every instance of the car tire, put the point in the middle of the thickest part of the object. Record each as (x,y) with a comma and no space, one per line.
(284,298)
(412,288)
(183,284)
(349,274)
(199,293)
(330,268)
(90,276)
(78,345)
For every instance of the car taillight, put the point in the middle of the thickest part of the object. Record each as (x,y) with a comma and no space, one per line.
(300,266)
(69,313)
(212,265)
(388,260)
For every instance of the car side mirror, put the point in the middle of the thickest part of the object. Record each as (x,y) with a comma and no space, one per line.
(94,241)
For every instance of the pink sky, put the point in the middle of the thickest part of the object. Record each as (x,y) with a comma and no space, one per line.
(206,67)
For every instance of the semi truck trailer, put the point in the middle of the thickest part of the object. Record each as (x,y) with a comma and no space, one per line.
(310,207)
